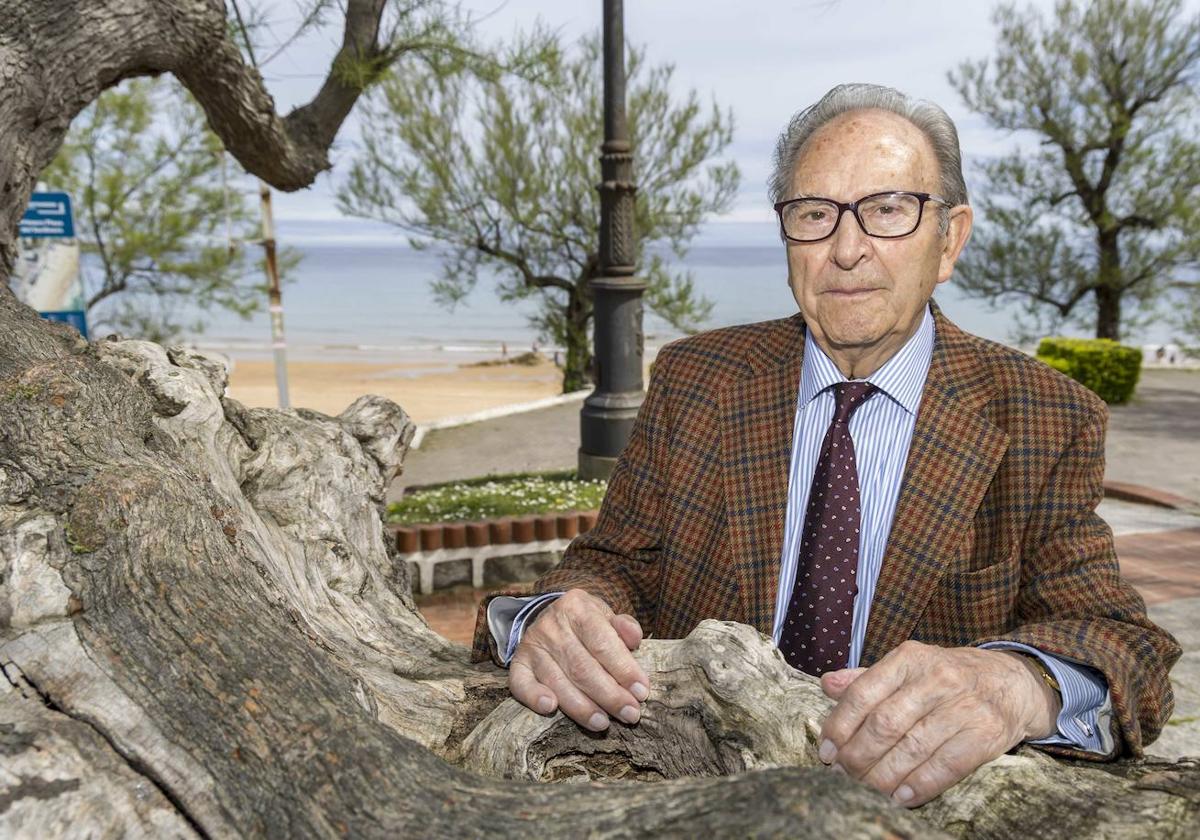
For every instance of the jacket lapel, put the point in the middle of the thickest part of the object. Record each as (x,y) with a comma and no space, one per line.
(756,414)
(953,457)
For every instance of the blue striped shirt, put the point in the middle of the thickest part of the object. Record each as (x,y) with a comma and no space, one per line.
(881,430)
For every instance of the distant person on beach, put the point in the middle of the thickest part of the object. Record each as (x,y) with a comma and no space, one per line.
(909,511)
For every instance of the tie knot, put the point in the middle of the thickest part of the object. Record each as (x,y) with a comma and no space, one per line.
(848,397)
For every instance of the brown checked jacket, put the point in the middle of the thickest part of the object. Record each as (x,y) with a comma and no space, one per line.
(995,535)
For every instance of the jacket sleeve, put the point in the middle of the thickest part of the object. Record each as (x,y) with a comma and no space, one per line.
(1073,603)
(618,559)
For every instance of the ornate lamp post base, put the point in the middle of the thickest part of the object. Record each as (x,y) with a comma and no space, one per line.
(606,420)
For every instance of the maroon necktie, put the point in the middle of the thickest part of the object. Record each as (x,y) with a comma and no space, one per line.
(816,632)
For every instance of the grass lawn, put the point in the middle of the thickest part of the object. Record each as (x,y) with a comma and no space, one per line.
(494,496)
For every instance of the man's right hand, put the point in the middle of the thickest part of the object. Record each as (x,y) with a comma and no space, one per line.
(576,656)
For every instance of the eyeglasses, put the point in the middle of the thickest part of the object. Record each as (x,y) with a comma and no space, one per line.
(886,215)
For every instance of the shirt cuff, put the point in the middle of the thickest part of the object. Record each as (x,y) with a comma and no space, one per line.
(507,617)
(1085,721)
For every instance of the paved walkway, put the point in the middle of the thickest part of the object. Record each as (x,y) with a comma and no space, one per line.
(1181,736)
(1154,441)
(547,439)
(1164,566)
(1159,551)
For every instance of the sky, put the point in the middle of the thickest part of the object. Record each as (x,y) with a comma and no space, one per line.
(765,59)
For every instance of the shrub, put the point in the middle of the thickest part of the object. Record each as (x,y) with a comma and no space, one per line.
(1101,364)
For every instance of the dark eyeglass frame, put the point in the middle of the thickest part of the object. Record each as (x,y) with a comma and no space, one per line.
(852,206)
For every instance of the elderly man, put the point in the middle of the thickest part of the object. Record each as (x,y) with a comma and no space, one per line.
(907,509)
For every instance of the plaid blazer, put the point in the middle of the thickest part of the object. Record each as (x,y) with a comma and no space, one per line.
(995,534)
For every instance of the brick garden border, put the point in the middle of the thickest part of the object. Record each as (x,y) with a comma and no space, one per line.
(426,546)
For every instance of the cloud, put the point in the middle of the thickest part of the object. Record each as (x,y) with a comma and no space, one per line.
(765,59)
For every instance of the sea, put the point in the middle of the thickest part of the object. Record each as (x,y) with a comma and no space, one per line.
(360,292)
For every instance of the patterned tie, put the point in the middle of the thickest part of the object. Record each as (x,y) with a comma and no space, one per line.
(816,634)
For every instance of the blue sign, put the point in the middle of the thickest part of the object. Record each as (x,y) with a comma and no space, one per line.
(76,318)
(49,214)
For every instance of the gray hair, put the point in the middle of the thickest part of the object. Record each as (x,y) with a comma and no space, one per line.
(932,121)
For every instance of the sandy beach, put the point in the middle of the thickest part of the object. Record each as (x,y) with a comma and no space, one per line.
(428,390)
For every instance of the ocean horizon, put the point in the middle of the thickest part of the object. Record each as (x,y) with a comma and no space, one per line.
(361,292)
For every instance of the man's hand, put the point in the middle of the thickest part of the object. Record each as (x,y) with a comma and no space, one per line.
(924,717)
(576,656)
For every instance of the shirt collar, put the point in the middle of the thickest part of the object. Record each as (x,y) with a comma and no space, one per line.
(902,377)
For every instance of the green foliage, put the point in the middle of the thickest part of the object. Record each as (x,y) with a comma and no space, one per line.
(143,171)
(1097,223)
(501,175)
(492,497)
(1106,367)
(1060,365)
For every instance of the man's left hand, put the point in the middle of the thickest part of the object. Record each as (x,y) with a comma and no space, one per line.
(924,717)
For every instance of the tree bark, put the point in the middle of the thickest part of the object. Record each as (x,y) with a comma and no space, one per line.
(1108,312)
(204,631)
(577,356)
(1107,289)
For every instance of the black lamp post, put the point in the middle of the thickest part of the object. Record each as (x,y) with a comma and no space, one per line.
(609,411)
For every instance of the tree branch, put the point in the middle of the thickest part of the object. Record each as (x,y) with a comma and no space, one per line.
(111,284)
(1042,295)
(1136,220)
(1139,277)
(97,45)
(159,165)
(287,153)
(538,281)
(1056,200)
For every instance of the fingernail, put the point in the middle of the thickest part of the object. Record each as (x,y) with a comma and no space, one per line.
(828,751)
(598,722)
(903,793)
(629,714)
(545,705)
(639,691)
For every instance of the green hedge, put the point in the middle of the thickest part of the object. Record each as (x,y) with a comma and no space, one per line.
(1101,364)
